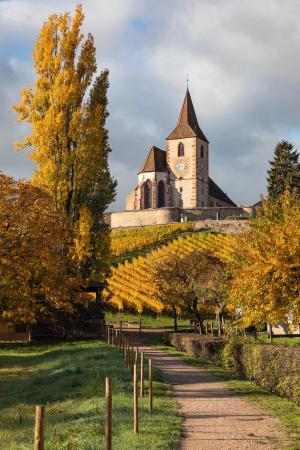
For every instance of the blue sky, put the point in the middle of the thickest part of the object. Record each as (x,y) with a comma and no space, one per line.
(243,64)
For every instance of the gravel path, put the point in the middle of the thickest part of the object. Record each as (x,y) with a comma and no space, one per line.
(215,417)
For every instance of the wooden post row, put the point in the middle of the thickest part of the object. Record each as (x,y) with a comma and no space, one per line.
(39,428)
(108,417)
(135,400)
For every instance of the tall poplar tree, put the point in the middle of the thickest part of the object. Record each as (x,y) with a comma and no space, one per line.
(69,141)
(284,173)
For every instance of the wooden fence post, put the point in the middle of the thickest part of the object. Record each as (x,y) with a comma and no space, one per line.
(108,335)
(116,333)
(121,325)
(108,418)
(150,386)
(212,328)
(135,400)
(206,328)
(142,375)
(39,428)
(140,326)
(136,356)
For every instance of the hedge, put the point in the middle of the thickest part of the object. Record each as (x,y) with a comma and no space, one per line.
(275,367)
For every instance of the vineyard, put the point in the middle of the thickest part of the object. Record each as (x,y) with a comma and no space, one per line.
(127,242)
(130,283)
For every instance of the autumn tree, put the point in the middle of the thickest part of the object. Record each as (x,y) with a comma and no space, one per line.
(284,173)
(67,112)
(193,282)
(31,261)
(266,265)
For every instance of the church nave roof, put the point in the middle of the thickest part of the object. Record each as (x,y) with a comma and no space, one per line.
(155,161)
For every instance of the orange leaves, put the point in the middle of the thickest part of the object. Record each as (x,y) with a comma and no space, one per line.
(33,267)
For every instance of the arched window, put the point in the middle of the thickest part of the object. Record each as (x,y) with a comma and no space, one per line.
(180,149)
(161,195)
(202,151)
(147,191)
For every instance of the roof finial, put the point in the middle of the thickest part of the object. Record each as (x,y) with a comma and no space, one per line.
(187,81)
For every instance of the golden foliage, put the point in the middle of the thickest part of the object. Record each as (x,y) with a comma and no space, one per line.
(129,240)
(131,284)
(32,261)
(266,265)
(68,140)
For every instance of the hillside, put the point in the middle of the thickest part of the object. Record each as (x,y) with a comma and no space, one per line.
(129,284)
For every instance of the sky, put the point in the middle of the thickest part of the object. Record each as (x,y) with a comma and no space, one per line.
(241,56)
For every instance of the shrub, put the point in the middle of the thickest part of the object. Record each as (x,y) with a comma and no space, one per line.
(274,367)
(201,347)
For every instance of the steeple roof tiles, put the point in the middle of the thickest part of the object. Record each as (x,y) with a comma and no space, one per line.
(187,124)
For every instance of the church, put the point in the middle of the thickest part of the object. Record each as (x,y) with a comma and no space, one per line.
(178,176)
(174,184)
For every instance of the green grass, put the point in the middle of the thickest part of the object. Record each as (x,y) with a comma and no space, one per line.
(292,341)
(286,411)
(69,379)
(147,320)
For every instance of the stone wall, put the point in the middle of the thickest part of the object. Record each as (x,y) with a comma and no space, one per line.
(162,216)
(144,217)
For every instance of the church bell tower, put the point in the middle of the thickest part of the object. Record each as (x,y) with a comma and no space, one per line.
(187,159)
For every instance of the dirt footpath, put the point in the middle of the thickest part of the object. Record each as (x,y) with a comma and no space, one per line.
(215,417)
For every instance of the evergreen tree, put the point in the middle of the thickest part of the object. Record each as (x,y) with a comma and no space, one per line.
(69,141)
(284,173)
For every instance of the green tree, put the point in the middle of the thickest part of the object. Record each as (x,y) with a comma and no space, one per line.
(284,173)
(69,141)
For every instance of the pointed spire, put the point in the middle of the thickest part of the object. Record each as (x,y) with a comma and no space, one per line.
(187,123)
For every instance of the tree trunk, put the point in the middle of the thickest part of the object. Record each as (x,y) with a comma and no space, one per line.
(271,333)
(219,316)
(175,320)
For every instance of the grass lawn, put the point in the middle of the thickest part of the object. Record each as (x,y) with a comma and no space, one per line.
(287,411)
(147,320)
(69,379)
(292,341)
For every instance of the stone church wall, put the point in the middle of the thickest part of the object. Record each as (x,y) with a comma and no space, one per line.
(162,216)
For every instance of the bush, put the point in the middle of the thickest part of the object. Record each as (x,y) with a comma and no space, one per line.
(201,347)
(274,367)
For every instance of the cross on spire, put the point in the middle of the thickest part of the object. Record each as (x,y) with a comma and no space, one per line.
(187,80)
